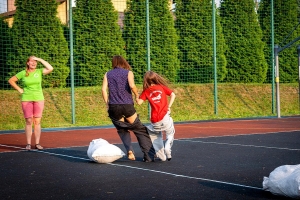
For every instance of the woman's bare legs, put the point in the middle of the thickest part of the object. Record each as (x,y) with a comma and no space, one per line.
(28,131)
(37,130)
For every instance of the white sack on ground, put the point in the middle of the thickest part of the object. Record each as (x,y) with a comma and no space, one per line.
(102,151)
(284,180)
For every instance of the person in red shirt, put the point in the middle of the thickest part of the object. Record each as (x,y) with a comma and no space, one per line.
(156,91)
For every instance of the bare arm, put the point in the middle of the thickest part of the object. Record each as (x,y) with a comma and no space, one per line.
(48,68)
(13,82)
(139,101)
(104,90)
(132,85)
(172,98)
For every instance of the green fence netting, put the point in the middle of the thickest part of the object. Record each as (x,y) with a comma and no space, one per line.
(217,55)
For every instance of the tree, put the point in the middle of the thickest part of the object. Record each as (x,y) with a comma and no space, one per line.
(194,27)
(243,36)
(285,21)
(163,38)
(37,31)
(98,38)
(5,42)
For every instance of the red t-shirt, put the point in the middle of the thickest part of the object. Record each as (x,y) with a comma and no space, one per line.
(157,97)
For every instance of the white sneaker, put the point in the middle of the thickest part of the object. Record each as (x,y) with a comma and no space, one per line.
(168,153)
(161,155)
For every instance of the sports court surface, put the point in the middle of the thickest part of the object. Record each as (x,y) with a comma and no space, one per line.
(225,159)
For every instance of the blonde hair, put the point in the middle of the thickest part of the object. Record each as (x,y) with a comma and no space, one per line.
(27,66)
(151,77)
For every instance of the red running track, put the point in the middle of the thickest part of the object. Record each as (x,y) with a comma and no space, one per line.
(70,138)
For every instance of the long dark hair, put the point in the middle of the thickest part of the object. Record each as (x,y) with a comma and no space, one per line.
(119,61)
(151,77)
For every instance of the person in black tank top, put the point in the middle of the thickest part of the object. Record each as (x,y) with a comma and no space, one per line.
(120,107)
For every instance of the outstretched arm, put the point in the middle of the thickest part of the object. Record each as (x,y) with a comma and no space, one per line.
(132,84)
(139,101)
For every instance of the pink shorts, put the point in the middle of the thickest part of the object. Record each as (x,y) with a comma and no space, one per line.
(32,109)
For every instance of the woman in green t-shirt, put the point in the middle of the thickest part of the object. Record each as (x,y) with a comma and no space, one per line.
(32,96)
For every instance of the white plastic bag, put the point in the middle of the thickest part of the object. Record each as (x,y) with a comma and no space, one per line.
(284,180)
(102,151)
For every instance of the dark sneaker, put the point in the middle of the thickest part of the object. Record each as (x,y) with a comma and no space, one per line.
(146,160)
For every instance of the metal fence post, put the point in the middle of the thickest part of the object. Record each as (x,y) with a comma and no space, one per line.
(298,51)
(214,57)
(71,62)
(276,51)
(272,54)
(148,46)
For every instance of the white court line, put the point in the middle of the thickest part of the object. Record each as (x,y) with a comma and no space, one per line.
(190,177)
(43,151)
(238,120)
(23,149)
(243,145)
(244,134)
(144,169)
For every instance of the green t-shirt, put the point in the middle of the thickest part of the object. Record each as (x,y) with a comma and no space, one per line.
(32,85)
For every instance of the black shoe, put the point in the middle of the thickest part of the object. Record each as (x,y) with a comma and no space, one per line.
(147,160)
(169,159)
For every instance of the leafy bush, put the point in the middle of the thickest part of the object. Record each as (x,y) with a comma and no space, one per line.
(243,36)
(37,31)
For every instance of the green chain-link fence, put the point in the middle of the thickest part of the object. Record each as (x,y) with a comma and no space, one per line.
(218,57)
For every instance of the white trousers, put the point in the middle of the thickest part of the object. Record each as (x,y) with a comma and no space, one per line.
(155,132)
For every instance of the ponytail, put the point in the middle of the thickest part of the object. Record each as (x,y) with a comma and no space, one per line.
(27,73)
(27,67)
